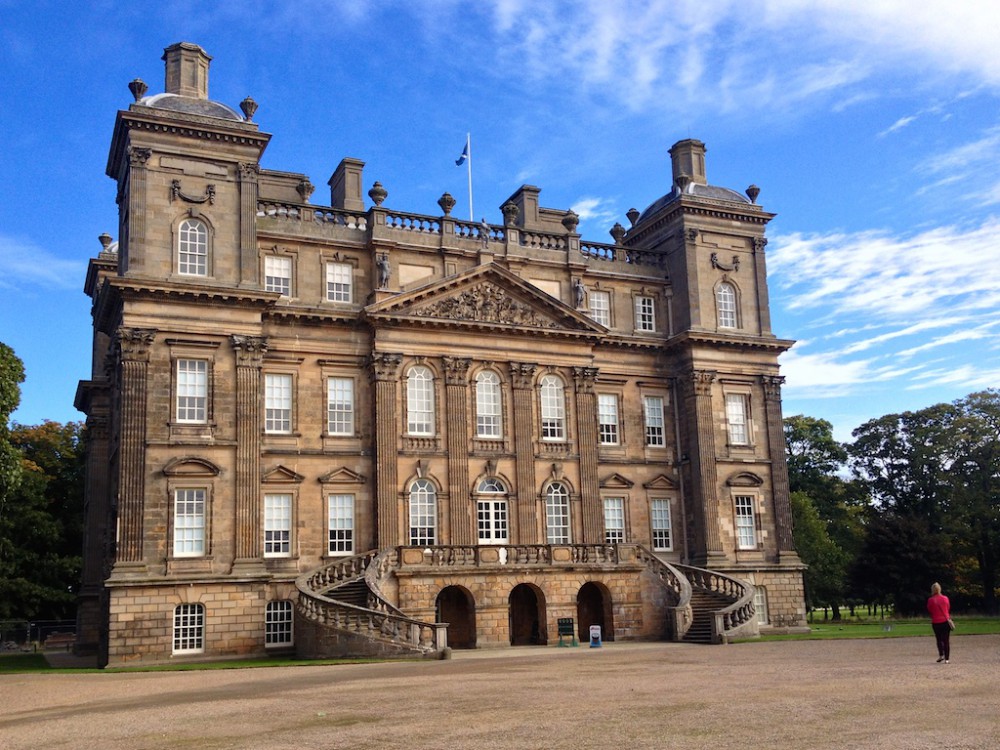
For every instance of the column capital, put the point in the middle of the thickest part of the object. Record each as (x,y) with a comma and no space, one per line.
(137,157)
(522,374)
(250,350)
(134,343)
(699,382)
(772,386)
(585,378)
(456,370)
(385,366)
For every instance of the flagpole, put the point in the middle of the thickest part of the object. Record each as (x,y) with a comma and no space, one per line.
(468,147)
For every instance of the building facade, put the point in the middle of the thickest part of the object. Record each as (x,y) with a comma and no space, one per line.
(334,428)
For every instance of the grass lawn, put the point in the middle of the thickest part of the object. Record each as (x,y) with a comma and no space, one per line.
(829,629)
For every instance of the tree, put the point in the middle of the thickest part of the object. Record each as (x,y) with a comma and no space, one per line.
(825,576)
(11,376)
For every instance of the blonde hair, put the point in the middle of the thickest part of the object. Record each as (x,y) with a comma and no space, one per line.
(935,589)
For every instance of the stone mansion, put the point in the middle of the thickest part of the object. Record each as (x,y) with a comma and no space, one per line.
(338,428)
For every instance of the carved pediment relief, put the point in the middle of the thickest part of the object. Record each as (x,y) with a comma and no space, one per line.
(744,479)
(343,475)
(660,482)
(191,466)
(616,481)
(485,303)
(281,475)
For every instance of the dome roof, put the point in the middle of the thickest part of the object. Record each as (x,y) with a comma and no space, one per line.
(190,105)
(711,192)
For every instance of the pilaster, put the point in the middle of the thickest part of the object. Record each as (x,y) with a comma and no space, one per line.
(136,191)
(456,371)
(779,467)
(249,175)
(522,376)
(385,374)
(586,415)
(248,545)
(704,469)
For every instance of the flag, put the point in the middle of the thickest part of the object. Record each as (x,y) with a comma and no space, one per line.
(464,157)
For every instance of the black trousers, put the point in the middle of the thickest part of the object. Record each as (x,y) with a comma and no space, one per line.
(942,633)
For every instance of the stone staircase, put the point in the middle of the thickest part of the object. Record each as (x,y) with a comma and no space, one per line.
(704,605)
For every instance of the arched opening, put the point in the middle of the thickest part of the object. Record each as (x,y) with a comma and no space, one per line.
(593,607)
(527,616)
(456,607)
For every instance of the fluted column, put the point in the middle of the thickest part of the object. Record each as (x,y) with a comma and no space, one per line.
(460,515)
(385,374)
(133,344)
(135,255)
(779,465)
(248,545)
(522,376)
(586,420)
(704,471)
(249,175)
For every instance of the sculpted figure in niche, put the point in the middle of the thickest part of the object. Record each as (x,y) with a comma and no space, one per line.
(579,290)
(382,262)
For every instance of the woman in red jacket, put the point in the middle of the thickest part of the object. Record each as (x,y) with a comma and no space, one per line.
(940,609)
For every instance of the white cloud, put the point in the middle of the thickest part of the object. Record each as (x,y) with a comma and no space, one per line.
(28,265)
(901,123)
(597,210)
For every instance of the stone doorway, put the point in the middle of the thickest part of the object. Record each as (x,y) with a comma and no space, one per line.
(527,616)
(456,607)
(593,607)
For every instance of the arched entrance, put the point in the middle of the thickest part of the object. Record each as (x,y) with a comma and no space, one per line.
(527,616)
(456,607)
(593,607)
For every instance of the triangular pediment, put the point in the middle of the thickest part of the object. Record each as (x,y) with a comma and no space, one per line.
(660,482)
(488,297)
(343,475)
(281,475)
(616,481)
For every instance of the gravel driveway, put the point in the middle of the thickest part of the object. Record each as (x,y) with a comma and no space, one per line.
(886,693)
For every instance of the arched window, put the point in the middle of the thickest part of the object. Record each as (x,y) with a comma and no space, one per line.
(489,422)
(491,511)
(553,398)
(725,302)
(423,513)
(419,401)
(192,248)
(557,514)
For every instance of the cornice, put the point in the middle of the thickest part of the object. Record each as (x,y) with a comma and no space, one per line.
(693,206)
(730,341)
(132,288)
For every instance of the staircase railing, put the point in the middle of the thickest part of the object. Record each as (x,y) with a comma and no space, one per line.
(680,614)
(735,620)
(380,620)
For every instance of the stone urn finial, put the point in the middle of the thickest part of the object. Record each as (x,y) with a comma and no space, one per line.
(138,88)
(305,189)
(682,181)
(617,233)
(105,240)
(633,215)
(378,193)
(447,202)
(510,212)
(571,221)
(249,106)
(752,192)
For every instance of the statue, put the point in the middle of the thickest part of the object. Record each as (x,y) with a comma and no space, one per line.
(579,290)
(382,263)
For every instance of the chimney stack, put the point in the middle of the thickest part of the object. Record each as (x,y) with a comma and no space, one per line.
(688,157)
(187,70)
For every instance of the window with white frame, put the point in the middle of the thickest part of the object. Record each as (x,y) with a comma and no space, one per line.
(652,407)
(614,520)
(746,527)
(192,390)
(552,393)
(277,525)
(645,315)
(491,511)
(419,401)
(600,307)
(340,406)
(192,248)
(278,274)
(278,620)
(662,532)
(340,515)
(277,403)
(423,513)
(738,418)
(189,522)
(760,604)
(557,514)
(339,280)
(189,629)
(725,303)
(489,423)
(607,418)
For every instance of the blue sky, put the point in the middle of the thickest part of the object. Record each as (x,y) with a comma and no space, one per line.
(872,129)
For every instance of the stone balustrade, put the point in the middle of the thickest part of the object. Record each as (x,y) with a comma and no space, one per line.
(499,555)
(412,223)
(681,614)
(736,620)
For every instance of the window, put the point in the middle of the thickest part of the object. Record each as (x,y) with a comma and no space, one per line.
(192,390)
(277,403)
(557,514)
(725,303)
(278,624)
(419,401)
(423,513)
(614,520)
(488,415)
(760,604)
(189,629)
(491,512)
(607,418)
(600,307)
(746,531)
(338,282)
(278,274)
(277,525)
(645,316)
(652,407)
(192,248)
(553,399)
(340,406)
(341,524)
(660,524)
(189,522)
(737,419)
